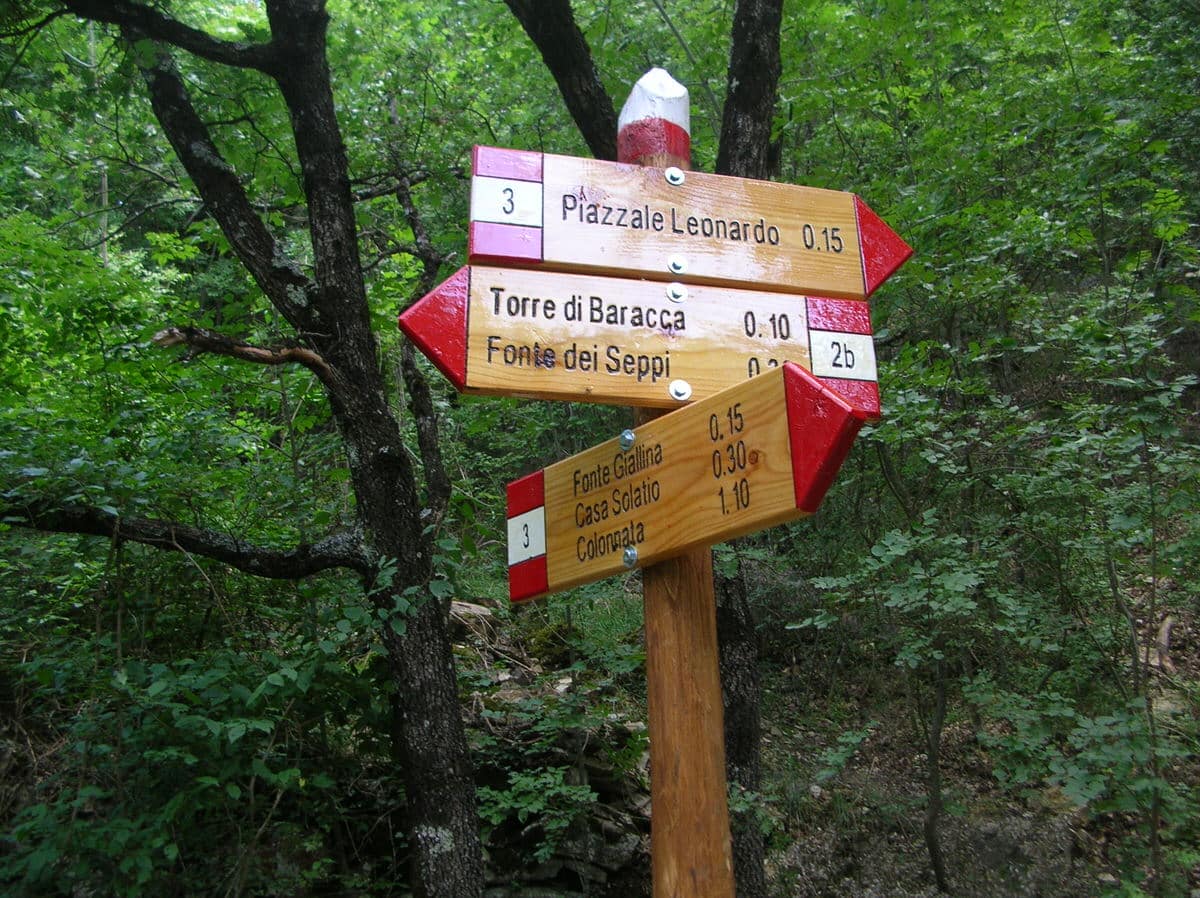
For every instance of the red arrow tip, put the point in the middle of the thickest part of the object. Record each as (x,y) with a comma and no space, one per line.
(822,427)
(437,323)
(883,250)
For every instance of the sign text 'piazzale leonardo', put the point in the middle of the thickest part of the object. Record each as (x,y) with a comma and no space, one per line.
(584,215)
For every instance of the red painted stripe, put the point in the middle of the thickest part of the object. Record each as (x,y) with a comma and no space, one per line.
(650,137)
(437,324)
(862,394)
(883,250)
(850,316)
(528,579)
(821,428)
(502,244)
(526,494)
(516,165)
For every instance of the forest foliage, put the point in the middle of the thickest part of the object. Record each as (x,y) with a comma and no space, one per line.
(1002,551)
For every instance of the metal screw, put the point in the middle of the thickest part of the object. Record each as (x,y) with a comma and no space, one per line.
(629,556)
(677,264)
(680,389)
(676,292)
(675,176)
(627,439)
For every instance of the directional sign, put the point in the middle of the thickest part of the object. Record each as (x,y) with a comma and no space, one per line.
(554,335)
(574,214)
(755,455)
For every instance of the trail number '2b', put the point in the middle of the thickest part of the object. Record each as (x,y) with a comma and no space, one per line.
(843,355)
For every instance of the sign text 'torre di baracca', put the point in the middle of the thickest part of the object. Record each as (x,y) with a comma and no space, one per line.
(557,335)
(752,456)
(575,214)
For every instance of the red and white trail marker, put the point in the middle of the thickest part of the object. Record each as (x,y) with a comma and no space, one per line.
(583,215)
(583,338)
(655,124)
(755,455)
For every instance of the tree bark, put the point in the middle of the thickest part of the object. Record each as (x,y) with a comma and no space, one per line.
(745,151)
(340,550)
(551,26)
(740,690)
(931,825)
(752,88)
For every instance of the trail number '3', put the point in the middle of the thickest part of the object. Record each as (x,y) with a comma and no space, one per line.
(508,208)
(525,536)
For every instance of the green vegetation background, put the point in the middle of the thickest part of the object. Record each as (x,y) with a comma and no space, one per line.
(1005,545)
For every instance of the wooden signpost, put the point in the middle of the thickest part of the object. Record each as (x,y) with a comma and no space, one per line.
(574,214)
(755,455)
(551,335)
(740,304)
(690,846)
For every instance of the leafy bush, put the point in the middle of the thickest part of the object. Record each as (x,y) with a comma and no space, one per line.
(541,802)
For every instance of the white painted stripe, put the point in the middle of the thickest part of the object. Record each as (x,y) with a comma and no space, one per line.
(527,535)
(837,354)
(657,95)
(505,201)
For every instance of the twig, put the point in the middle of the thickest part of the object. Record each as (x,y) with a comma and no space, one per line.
(201,339)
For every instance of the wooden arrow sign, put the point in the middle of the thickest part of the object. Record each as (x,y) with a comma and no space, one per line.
(750,457)
(554,335)
(575,214)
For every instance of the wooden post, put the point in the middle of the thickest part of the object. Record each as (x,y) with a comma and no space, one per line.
(690,850)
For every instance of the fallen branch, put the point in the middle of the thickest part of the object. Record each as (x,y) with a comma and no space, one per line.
(339,550)
(200,340)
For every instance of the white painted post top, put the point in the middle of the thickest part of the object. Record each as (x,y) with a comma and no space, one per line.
(657,96)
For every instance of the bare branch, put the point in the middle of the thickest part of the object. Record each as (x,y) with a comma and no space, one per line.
(386,184)
(299,27)
(21,29)
(420,400)
(551,26)
(201,339)
(152,23)
(339,550)
(129,222)
(420,403)
(431,257)
(714,107)
(217,183)
(30,32)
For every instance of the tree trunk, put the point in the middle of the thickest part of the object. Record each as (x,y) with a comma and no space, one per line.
(741,687)
(752,84)
(933,780)
(330,312)
(440,789)
(442,828)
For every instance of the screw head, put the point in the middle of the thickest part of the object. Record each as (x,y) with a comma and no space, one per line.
(674,176)
(627,439)
(677,265)
(680,390)
(630,556)
(676,292)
